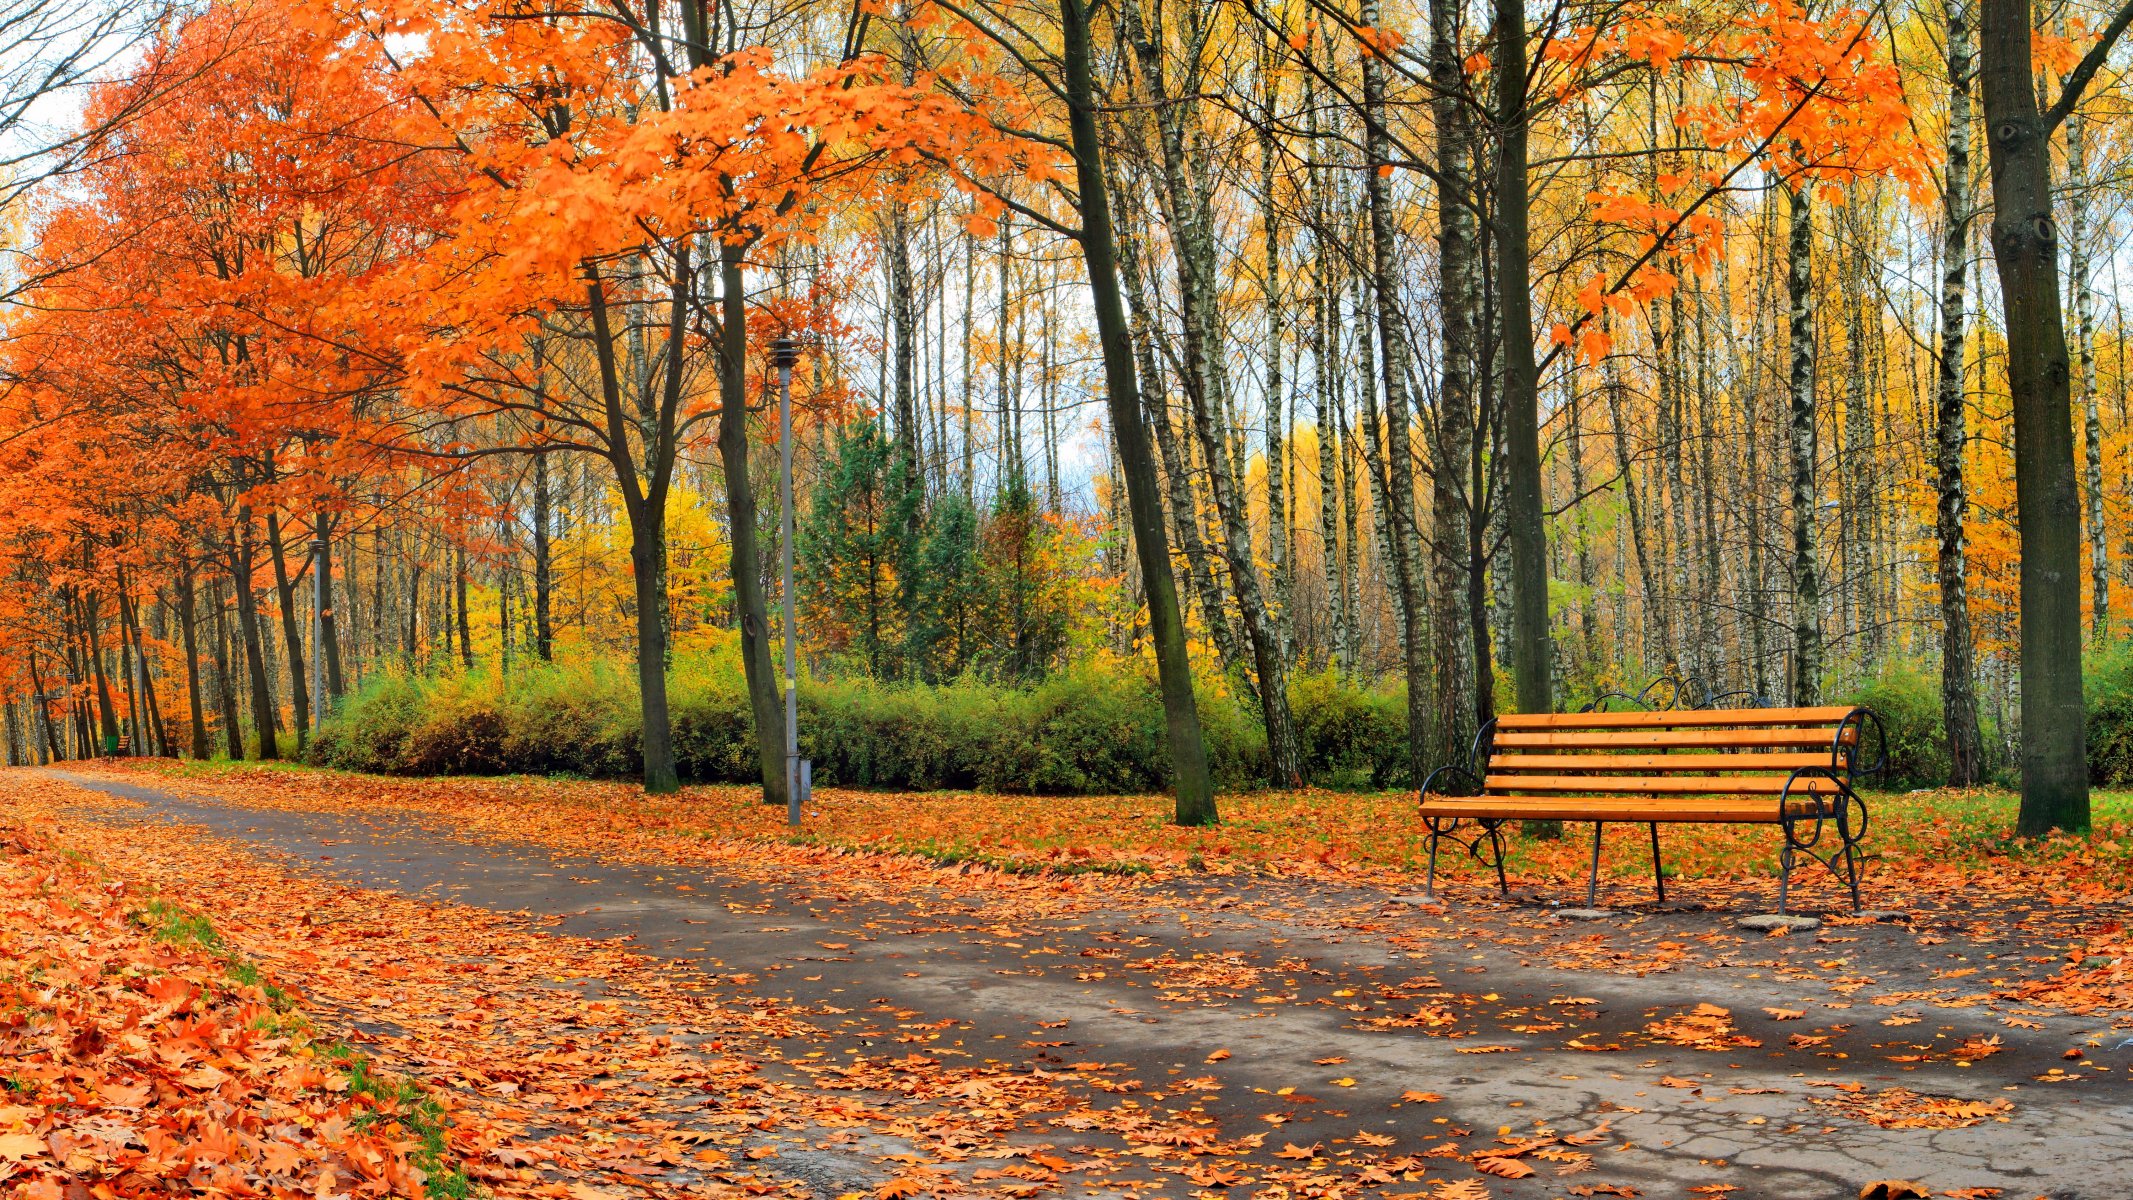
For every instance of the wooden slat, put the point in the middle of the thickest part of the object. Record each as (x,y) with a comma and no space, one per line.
(1614,808)
(1661,785)
(1660,739)
(1676,719)
(1557,763)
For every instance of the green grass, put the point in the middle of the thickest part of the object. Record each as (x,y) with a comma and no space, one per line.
(401,1100)
(177,926)
(1975,824)
(954,855)
(398,1098)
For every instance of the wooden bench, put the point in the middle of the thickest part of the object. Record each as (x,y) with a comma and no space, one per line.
(1789,767)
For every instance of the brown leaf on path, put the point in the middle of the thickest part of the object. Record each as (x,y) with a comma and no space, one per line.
(1894,1189)
(1292,1150)
(1508,1168)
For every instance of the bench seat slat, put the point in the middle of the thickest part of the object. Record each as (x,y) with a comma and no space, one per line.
(1557,763)
(1660,739)
(1676,719)
(1763,810)
(1682,785)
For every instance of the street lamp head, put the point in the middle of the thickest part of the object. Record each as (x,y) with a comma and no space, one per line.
(784,353)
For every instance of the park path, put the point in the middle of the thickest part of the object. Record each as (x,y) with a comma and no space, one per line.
(1329,1019)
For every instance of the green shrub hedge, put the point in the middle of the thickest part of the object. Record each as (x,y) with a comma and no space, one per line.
(1093,730)
(1908,704)
(2108,692)
(1096,729)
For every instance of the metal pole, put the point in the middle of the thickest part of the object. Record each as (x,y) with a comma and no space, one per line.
(785,352)
(319,600)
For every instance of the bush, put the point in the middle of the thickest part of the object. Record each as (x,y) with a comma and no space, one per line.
(2108,692)
(1351,737)
(1095,729)
(1908,703)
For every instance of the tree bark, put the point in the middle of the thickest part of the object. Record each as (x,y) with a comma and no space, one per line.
(196,709)
(248,630)
(328,627)
(225,686)
(1532,665)
(1207,388)
(1806,565)
(2077,268)
(1458,680)
(1195,804)
(1958,668)
(543,561)
(1397,504)
(2025,249)
(765,698)
(1214,614)
(1277,458)
(291,632)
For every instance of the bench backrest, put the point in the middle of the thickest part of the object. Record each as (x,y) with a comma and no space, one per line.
(1740,743)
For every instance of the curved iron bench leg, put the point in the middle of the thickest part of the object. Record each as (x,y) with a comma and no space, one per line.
(1658,877)
(1429,887)
(1592,885)
(1784,864)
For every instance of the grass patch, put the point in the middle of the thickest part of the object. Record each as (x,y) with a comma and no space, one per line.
(176,925)
(403,1101)
(1010,864)
(390,1097)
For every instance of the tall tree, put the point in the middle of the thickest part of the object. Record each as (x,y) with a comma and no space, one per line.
(1532,663)
(1958,667)
(2025,250)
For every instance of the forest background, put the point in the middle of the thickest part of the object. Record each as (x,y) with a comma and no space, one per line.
(1271,383)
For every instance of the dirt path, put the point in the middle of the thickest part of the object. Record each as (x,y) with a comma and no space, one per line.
(1321,1019)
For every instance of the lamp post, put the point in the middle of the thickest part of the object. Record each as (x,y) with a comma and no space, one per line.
(319,600)
(784,354)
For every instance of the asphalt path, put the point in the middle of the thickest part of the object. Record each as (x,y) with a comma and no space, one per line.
(1157,986)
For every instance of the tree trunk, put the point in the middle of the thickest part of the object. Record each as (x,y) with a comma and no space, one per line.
(1532,666)
(1184,510)
(1207,387)
(459,599)
(196,709)
(1397,507)
(2077,267)
(291,632)
(2055,781)
(1277,458)
(1195,797)
(225,685)
(765,700)
(248,629)
(91,609)
(328,627)
(1459,271)
(1958,670)
(1806,565)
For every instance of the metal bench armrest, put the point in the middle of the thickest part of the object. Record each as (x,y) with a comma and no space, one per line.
(1452,779)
